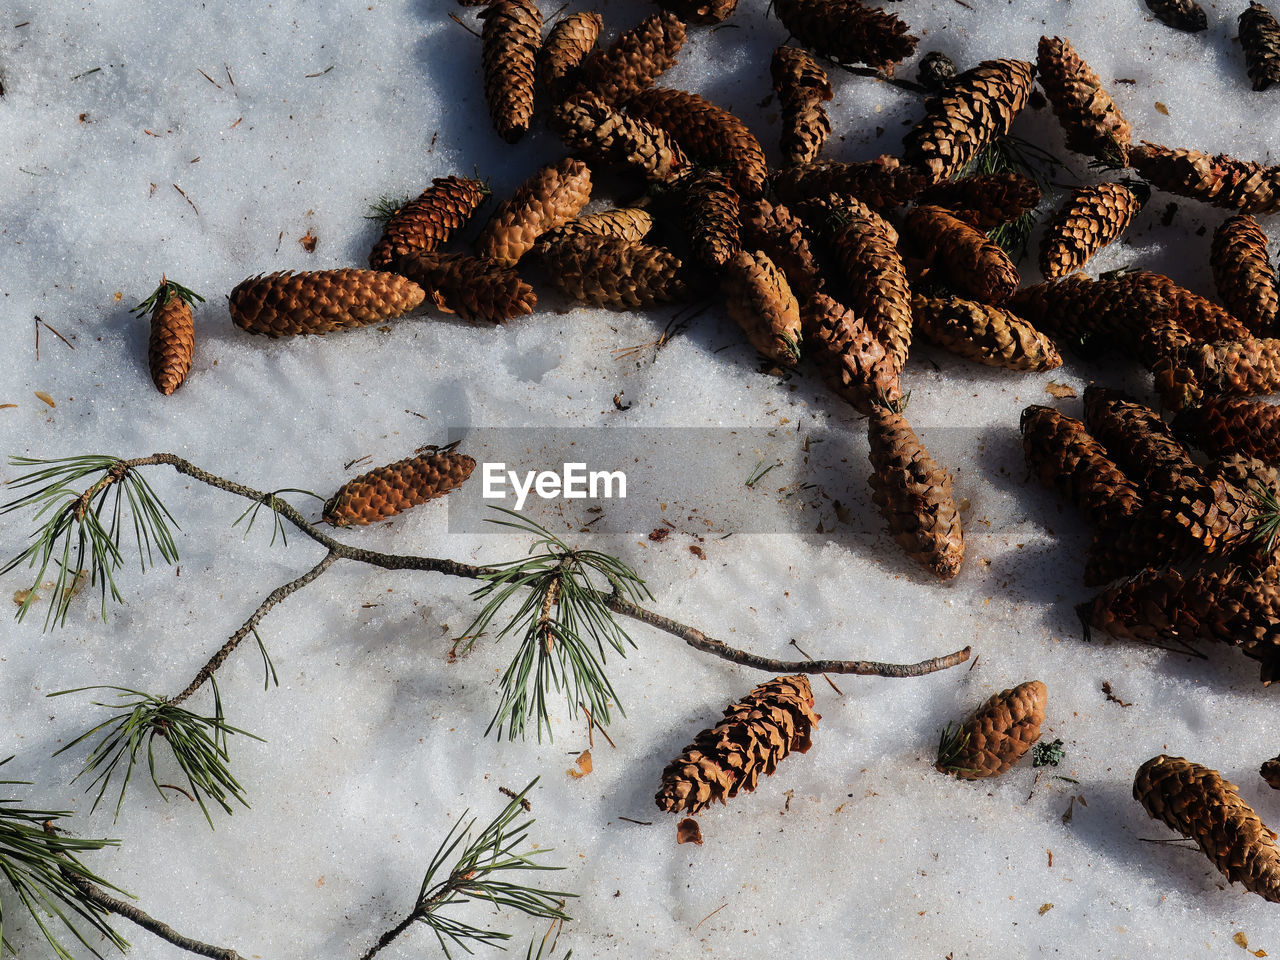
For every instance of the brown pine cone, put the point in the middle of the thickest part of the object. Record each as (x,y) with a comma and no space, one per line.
(983,333)
(393,489)
(1218,180)
(1270,772)
(1243,274)
(975,265)
(608,272)
(625,223)
(759,300)
(883,184)
(1136,437)
(709,134)
(473,288)
(1260,37)
(566,46)
(1200,804)
(427,222)
(1091,218)
(555,194)
(997,735)
(587,123)
(512,36)
(287,304)
(976,107)
(851,360)
(635,60)
(802,87)
(1239,368)
(935,70)
(914,494)
(1088,115)
(1225,425)
(988,199)
(848,32)
(710,215)
(173,334)
(700,11)
(1180,14)
(755,735)
(775,230)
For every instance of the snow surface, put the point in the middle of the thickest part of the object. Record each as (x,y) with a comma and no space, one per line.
(309,112)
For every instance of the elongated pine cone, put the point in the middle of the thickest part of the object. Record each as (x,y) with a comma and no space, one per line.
(1260,37)
(625,223)
(976,107)
(710,215)
(393,489)
(1091,218)
(634,60)
(914,494)
(471,287)
(851,359)
(288,304)
(1180,14)
(802,87)
(512,36)
(847,31)
(566,46)
(172,343)
(608,272)
(555,194)
(709,134)
(587,123)
(997,735)
(987,199)
(756,734)
(1218,180)
(1141,442)
(1241,368)
(760,301)
(983,333)
(700,11)
(1243,273)
(883,184)
(427,222)
(775,230)
(1200,804)
(975,265)
(1226,425)
(1088,115)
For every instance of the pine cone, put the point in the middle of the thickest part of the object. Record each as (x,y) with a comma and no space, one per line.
(1180,14)
(1088,115)
(988,199)
(709,134)
(552,196)
(1270,772)
(700,11)
(975,265)
(173,334)
(1092,217)
(287,304)
(983,333)
(759,300)
(851,360)
(427,222)
(625,223)
(1137,438)
(587,123)
(755,735)
(1235,367)
(512,35)
(773,229)
(997,735)
(936,70)
(607,272)
(914,494)
(1218,180)
(802,87)
(848,32)
(1260,37)
(883,184)
(1224,425)
(710,215)
(566,46)
(393,489)
(1243,273)
(978,106)
(635,60)
(1198,803)
(473,288)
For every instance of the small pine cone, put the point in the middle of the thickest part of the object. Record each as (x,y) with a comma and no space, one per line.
(1200,804)
(607,272)
(759,300)
(883,184)
(287,304)
(555,194)
(848,32)
(988,199)
(1270,772)
(625,223)
(1180,14)
(473,288)
(1091,218)
(1064,457)
(1137,438)
(1224,425)
(512,35)
(566,46)
(427,222)
(173,335)
(802,87)
(635,60)
(587,123)
(1218,180)
(914,494)
(756,734)
(936,70)
(850,358)
(710,215)
(976,107)
(975,264)
(775,230)
(1260,37)
(1088,115)
(393,489)
(709,134)
(997,735)
(983,333)
(700,11)
(1243,274)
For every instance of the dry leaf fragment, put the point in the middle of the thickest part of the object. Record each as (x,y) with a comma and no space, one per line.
(1045,908)
(46,398)
(688,831)
(584,766)
(308,241)
(1059,390)
(1241,940)
(1161,108)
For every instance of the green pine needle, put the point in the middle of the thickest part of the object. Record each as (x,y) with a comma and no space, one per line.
(1264,526)
(1010,154)
(951,746)
(386,207)
(278,525)
(162,294)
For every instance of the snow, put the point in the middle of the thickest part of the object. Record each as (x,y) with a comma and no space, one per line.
(306,113)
